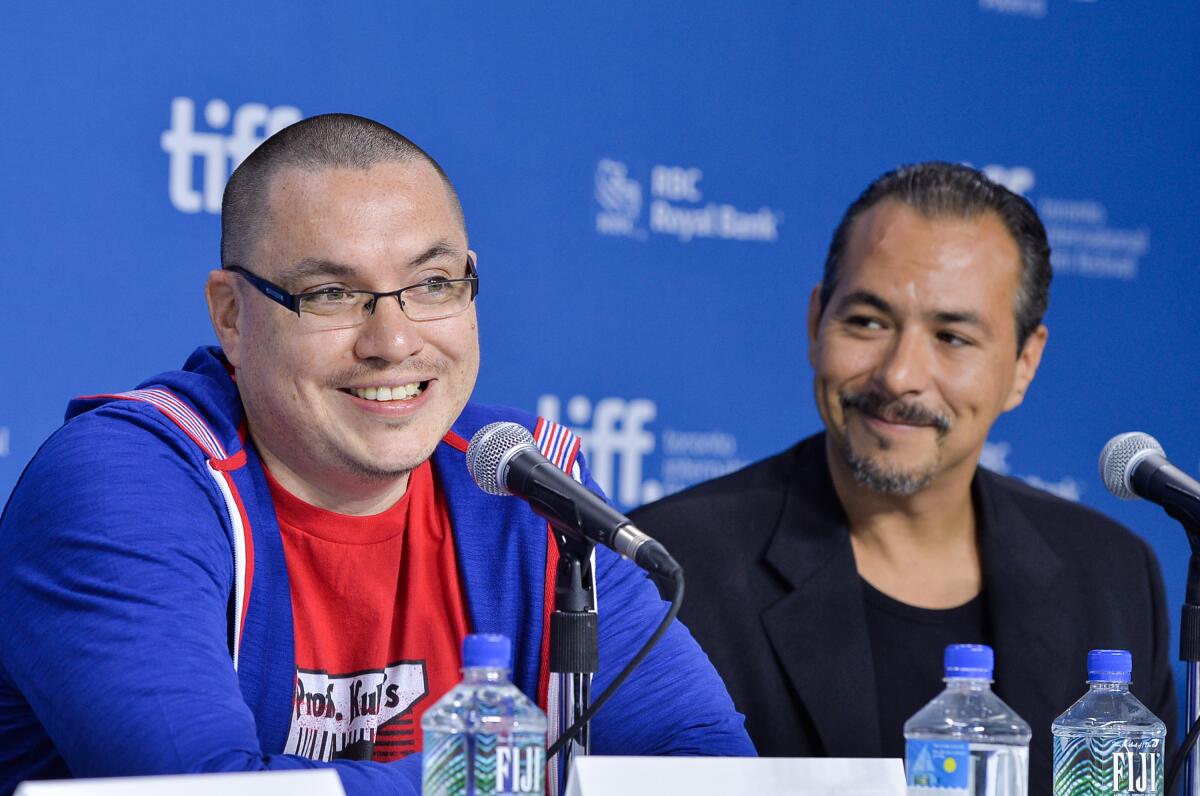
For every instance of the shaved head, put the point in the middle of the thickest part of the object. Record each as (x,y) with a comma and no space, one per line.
(334,140)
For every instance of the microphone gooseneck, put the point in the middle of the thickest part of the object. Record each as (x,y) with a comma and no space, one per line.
(504,461)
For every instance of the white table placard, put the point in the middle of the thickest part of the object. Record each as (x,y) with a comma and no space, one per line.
(311,782)
(709,776)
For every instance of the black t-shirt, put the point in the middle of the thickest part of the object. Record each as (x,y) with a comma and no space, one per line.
(907,645)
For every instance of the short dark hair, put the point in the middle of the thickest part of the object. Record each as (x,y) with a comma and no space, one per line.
(332,140)
(937,189)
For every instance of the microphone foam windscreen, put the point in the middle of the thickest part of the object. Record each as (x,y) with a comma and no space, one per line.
(1119,457)
(488,450)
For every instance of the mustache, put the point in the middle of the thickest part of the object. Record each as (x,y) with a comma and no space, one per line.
(895,410)
(422,366)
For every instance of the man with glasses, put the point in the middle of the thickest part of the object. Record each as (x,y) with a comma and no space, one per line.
(269,559)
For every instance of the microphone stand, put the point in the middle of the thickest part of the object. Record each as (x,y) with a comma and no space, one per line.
(574,642)
(1189,653)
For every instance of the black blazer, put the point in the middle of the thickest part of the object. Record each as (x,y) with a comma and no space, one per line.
(774,598)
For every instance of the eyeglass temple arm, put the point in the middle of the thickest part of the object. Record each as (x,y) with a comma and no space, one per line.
(473,275)
(269,289)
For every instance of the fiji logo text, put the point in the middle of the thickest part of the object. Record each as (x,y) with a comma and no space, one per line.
(519,769)
(1135,772)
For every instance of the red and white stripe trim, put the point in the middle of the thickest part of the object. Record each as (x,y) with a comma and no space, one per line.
(183,416)
(219,465)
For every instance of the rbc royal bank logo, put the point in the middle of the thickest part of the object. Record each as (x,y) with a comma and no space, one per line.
(219,153)
(620,200)
(677,207)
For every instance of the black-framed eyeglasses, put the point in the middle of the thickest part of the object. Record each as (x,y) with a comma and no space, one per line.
(342,308)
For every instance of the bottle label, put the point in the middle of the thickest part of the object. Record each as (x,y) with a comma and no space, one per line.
(456,764)
(519,769)
(1112,766)
(940,765)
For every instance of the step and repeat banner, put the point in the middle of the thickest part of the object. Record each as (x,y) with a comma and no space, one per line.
(651,188)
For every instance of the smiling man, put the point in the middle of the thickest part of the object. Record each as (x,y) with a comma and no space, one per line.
(269,559)
(825,582)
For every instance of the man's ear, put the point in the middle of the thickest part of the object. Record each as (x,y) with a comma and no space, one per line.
(1027,365)
(814,323)
(224,312)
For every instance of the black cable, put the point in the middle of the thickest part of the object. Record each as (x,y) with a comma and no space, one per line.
(672,611)
(1185,749)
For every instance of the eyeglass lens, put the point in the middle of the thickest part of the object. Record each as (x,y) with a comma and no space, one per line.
(330,309)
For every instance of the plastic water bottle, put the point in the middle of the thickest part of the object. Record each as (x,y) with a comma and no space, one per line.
(484,736)
(1108,742)
(967,741)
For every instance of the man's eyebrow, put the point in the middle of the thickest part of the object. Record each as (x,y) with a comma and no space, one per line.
(864,297)
(310,267)
(961,316)
(969,317)
(442,248)
(313,266)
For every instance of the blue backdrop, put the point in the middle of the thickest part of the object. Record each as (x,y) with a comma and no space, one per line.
(650,187)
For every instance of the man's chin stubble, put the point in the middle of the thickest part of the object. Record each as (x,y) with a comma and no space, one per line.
(373,474)
(887,480)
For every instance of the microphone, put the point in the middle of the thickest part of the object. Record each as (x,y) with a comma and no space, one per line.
(1135,465)
(504,461)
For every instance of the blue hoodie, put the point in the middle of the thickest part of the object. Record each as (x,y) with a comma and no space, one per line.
(120,594)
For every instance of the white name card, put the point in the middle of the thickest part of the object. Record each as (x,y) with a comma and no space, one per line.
(710,776)
(310,782)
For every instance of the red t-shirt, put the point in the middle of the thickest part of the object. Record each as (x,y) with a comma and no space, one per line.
(379,622)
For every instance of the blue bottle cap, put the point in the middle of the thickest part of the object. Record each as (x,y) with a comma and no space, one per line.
(969,660)
(486,650)
(1110,666)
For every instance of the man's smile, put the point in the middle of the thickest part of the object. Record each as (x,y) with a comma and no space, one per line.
(887,423)
(395,392)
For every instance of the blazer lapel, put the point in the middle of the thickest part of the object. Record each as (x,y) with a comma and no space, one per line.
(818,630)
(1032,635)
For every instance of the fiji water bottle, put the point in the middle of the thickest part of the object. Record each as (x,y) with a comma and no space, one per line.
(484,736)
(967,741)
(1108,742)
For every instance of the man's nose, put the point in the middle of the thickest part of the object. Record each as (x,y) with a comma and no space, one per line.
(906,365)
(388,334)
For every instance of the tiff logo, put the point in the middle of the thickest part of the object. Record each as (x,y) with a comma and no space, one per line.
(221,154)
(617,436)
